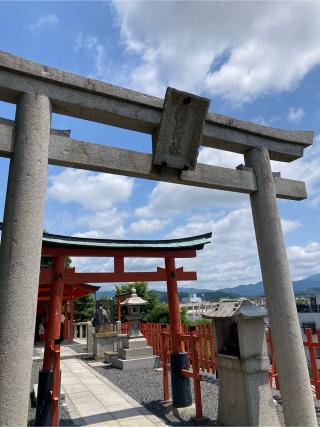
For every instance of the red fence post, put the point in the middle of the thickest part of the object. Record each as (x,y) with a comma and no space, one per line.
(195,368)
(212,350)
(56,386)
(313,359)
(273,372)
(165,373)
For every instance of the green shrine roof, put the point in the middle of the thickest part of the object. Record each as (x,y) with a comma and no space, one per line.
(194,242)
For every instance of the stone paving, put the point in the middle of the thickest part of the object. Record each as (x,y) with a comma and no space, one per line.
(93,400)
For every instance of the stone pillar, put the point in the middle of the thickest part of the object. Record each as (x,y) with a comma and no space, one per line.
(294,379)
(20,254)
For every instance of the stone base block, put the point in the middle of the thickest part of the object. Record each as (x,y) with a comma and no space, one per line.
(187,413)
(135,353)
(144,362)
(134,343)
(108,355)
(105,328)
(104,342)
(249,403)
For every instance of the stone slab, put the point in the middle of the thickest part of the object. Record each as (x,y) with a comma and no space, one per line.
(103,404)
(104,342)
(135,353)
(108,355)
(131,343)
(145,362)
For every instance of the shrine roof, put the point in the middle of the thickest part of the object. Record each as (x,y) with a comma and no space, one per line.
(194,242)
(69,291)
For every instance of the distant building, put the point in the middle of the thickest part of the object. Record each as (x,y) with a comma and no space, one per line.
(196,306)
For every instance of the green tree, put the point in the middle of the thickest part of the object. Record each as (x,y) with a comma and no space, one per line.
(126,288)
(159,314)
(84,308)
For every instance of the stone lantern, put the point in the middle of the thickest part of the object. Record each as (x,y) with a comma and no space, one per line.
(134,315)
(135,352)
(245,397)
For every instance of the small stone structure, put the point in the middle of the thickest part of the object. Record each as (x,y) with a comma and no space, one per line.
(245,397)
(104,340)
(135,352)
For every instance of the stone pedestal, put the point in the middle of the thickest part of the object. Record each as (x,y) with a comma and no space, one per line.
(90,331)
(245,397)
(135,353)
(244,387)
(104,342)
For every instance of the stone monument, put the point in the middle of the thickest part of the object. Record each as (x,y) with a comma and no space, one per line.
(135,352)
(104,337)
(245,397)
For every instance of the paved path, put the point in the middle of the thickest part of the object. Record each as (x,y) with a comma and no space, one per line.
(93,400)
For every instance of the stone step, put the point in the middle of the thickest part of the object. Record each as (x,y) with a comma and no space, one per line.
(134,342)
(143,362)
(135,353)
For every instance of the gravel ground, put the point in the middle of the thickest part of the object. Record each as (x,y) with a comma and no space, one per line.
(145,386)
(65,419)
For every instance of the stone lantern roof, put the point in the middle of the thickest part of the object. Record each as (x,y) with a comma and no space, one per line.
(240,308)
(134,300)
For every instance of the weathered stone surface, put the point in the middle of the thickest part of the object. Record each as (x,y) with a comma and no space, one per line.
(176,142)
(93,100)
(103,342)
(135,353)
(291,362)
(134,343)
(144,362)
(244,400)
(68,152)
(20,253)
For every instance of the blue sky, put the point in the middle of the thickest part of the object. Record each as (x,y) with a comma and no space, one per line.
(255,61)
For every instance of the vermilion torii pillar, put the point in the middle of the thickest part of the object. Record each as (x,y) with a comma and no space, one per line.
(20,253)
(47,407)
(296,394)
(180,385)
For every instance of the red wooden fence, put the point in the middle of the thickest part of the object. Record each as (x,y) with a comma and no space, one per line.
(205,346)
(200,343)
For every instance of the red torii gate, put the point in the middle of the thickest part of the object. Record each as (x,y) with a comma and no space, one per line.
(57,277)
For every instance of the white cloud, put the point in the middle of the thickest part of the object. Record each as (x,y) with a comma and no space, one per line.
(294,115)
(168,199)
(102,225)
(232,258)
(51,20)
(92,191)
(237,50)
(98,52)
(147,226)
(304,260)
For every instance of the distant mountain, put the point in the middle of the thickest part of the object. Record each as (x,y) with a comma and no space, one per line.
(108,294)
(308,285)
(183,293)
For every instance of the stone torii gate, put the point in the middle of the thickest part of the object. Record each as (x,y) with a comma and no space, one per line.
(179,125)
